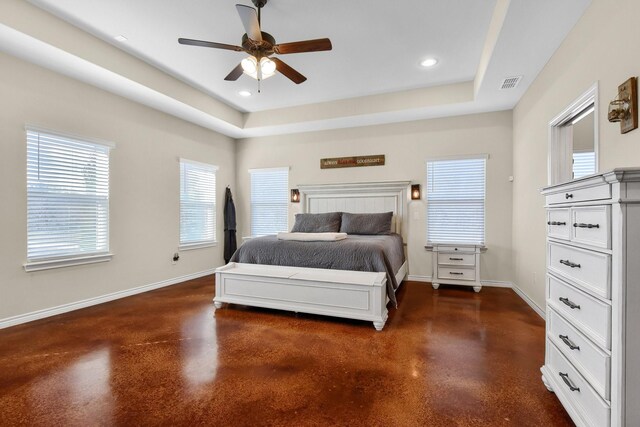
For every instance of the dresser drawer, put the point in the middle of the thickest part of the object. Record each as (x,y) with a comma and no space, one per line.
(459,259)
(591,225)
(456,273)
(580,394)
(588,358)
(598,192)
(559,223)
(587,269)
(586,313)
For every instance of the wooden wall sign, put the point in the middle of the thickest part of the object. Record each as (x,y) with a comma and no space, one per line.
(350,162)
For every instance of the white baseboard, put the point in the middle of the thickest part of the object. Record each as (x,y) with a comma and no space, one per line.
(529,301)
(496,284)
(48,312)
(415,278)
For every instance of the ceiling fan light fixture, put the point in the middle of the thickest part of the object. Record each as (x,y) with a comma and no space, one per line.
(268,67)
(250,66)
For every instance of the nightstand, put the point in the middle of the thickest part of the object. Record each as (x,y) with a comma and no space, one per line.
(456,265)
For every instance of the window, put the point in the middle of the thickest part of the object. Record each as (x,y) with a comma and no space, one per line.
(67,200)
(269,201)
(197,204)
(455,200)
(584,164)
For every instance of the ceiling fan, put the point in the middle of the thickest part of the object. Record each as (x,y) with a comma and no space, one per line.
(260,64)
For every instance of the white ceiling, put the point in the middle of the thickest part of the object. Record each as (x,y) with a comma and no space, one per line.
(371,76)
(377,45)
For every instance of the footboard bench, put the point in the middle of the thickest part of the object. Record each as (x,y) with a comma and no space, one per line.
(348,294)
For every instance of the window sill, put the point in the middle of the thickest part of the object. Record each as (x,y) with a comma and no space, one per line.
(65,262)
(192,246)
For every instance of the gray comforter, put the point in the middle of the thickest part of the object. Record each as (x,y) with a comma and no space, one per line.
(379,253)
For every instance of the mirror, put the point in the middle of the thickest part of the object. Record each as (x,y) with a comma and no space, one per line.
(584,154)
(573,140)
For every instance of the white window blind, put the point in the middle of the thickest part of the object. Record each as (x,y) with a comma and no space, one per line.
(269,201)
(584,164)
(456,200)
(197,203)
(67,197)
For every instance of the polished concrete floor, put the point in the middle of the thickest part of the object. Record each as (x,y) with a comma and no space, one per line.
(445,358)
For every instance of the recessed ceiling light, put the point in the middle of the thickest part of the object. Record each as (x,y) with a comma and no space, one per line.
(429,62)
(244,93)
(120,38)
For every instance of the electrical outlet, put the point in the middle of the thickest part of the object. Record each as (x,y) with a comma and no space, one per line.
(535,278)
(176,258)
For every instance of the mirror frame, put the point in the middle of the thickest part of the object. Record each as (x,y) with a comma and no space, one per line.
(560,151)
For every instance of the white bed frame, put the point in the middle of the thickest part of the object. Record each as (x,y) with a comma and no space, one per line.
(349,294)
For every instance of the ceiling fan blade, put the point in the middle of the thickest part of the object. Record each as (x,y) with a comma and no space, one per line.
(249,18)
(234,74)
(214,45)
(315,45)
(289,72)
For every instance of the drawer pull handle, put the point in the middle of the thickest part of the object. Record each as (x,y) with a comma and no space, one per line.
(568,342)
(456,259)
(569,263)
(566,301)
(565,378)
(456,273)
(568,196)
(583,225)
(556,223)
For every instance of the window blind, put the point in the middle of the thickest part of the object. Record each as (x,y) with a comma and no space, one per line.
(197,203)
(456,200)
(269,201)
(67,197)
(584,164)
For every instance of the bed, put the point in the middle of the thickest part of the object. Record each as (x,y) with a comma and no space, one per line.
(329,290)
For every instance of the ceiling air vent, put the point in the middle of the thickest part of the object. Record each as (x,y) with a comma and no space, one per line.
(510,82)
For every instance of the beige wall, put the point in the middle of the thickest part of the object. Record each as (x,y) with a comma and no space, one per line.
(144,187)
(602,47)
(406,146)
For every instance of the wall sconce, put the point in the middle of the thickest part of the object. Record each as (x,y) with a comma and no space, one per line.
(295,195)
(624,108)
(415,191)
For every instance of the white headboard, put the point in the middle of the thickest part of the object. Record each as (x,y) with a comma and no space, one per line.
(366,197)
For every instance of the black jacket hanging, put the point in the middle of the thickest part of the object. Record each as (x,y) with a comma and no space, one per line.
(230,243)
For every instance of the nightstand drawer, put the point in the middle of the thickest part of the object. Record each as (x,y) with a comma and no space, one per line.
(577,390)
(586,313)
(559,223)
(591,225)
(588,358)
(457,249)
(456,273)
(457,259)
(589,270)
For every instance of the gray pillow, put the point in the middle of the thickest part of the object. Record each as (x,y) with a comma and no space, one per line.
(317,223)
(378,223)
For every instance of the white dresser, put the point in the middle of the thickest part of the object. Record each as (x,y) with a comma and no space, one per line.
(456,265)
(592,358)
